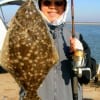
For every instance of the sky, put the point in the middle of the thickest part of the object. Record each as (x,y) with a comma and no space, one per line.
(87,10)
(84,11)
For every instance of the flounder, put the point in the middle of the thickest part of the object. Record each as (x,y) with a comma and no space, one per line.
(29,51)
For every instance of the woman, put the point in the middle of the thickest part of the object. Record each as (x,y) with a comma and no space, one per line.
(57,85)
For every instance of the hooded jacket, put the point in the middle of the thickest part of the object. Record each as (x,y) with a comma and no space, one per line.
(58,83)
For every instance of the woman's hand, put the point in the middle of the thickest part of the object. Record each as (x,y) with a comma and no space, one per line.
(75,44)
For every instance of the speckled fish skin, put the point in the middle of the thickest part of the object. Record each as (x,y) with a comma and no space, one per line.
(29,52)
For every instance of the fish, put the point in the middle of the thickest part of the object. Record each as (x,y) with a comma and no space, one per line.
(29,51)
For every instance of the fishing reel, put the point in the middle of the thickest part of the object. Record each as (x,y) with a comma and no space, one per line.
(79,68)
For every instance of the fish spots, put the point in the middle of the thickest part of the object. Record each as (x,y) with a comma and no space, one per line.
(29,52)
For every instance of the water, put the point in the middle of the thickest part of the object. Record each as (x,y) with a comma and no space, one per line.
(91,34)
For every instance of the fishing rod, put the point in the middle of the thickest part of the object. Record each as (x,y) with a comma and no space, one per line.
(74,78)
(72,15)
(78,60)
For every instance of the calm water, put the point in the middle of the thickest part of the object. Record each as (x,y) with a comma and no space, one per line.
(91,34)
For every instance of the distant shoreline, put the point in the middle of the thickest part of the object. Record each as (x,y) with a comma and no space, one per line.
(88,23)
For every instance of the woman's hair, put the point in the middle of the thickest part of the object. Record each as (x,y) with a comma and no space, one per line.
(39,2)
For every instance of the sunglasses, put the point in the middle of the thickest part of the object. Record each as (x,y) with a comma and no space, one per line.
(56,3)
